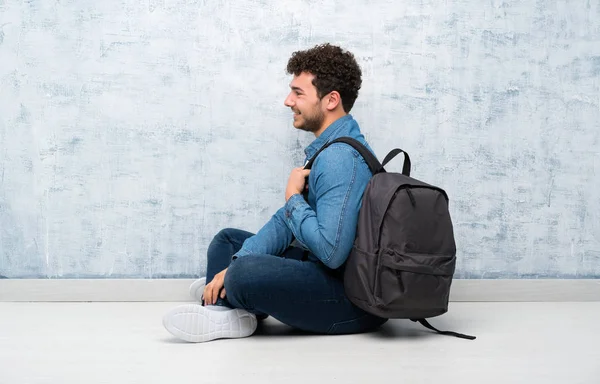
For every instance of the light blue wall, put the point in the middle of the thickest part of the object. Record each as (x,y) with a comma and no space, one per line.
(132,131)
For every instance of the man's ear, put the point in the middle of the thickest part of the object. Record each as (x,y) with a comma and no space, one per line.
(333,99)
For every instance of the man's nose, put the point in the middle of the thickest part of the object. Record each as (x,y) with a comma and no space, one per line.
(288,101)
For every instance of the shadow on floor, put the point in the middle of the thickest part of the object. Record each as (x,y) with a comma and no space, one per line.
(270,328)
(391,330)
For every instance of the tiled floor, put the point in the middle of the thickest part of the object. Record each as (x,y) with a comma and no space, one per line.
(126,343)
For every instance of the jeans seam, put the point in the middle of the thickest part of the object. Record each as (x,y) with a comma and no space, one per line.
(344,322)
(268,296)
(247,299)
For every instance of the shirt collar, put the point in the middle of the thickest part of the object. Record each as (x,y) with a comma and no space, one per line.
(332,132)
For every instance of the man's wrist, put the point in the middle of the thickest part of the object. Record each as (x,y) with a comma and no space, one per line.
(288,195)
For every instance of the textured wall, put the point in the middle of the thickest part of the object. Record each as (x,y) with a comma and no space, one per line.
(132,131)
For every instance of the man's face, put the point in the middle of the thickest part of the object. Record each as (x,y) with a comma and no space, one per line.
(305,104)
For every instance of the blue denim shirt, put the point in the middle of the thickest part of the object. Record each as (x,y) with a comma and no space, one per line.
(326,224)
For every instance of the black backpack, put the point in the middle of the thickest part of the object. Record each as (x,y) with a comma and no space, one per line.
(404,255)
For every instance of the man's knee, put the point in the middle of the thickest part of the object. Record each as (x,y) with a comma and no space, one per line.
(241,276)
(233,236)
(239,273)
(224,234)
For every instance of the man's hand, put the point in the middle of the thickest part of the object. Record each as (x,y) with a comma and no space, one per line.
(211,291)
(296,182)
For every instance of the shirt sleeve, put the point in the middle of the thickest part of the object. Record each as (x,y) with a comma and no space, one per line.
(272,239)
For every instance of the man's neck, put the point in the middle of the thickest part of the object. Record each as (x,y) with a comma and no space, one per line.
(328,121)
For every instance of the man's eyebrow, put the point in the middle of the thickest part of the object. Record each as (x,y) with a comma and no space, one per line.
(294,88)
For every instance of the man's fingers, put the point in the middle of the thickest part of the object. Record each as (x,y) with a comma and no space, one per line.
(207,294)
(215,294)
(212,291)
(305,172)
(223,293)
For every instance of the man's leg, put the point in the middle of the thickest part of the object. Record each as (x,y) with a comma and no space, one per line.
(223,246)
(229,241)
(303,294)
(220,250)
(197,323)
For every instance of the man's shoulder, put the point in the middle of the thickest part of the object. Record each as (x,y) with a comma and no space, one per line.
(338,155)
(337,150)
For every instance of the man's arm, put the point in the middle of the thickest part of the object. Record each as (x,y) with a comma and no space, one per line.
(339,184)
(272,239)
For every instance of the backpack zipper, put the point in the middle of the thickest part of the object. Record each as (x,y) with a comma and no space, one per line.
(385,212)
(411,197)
(412,201)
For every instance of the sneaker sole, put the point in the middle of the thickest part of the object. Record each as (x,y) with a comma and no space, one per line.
(196,286)
(196,324)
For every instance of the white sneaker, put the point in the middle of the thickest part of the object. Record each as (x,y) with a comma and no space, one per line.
(197,289)
(196,324)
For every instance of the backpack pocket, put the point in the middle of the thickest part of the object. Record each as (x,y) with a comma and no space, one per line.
(359,277)
(413,285)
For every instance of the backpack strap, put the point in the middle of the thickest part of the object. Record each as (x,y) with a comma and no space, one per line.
(374,164)
(392,154)
(424,323)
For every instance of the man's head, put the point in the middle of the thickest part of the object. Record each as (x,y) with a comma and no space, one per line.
(325,86)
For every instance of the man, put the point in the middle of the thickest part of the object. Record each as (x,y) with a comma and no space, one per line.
(292,268)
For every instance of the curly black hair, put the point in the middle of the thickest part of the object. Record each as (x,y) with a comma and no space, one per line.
(334,70)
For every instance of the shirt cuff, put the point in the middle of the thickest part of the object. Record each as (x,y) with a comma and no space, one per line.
(293,202)
(295,210)
(241,253)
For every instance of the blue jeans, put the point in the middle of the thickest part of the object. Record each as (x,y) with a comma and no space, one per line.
(303,294)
